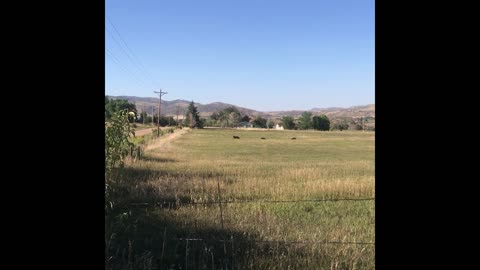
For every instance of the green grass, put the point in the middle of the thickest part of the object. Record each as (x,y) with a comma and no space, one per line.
(317,165)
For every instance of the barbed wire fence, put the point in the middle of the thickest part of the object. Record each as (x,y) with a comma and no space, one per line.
(229,259)
(172,203)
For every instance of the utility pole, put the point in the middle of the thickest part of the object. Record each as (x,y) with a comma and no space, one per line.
(160,94)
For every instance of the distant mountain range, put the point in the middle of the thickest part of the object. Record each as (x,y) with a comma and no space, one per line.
(171,108)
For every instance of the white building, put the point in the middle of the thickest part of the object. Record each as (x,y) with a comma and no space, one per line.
(277,126)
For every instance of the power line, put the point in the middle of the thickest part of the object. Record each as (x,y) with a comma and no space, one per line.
(138,60)
(117,62)
(125,69)
(142,69)
(123,50)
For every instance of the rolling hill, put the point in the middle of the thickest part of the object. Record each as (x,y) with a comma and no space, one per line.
(171,108)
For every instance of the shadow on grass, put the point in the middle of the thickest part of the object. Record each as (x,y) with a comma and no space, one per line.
(156,240)
(137,175)
(132,176)
(157,159)
(152,240)
(142,187)
(156,237)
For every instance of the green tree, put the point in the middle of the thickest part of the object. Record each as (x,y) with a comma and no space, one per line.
(356,124)
(193,117)
(117,134)
(207,122)
(321,122)
(357,127)
(260,122)
(165,121)
(143,117)
(234,118)
(305,120)
(270,123)
(215,116)
(288,122)
(213,120)
(116,105)
(228,117)
(148,120)
(231,116)
(245,118)
(340,126)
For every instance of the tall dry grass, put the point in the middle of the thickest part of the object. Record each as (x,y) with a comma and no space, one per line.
(189,167)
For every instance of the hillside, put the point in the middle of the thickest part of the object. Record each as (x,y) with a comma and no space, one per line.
(355,112)
(150,105)
(180,105)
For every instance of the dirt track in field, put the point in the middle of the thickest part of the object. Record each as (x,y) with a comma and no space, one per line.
(143,132)
(164,141)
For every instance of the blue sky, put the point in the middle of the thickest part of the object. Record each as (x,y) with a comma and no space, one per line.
(264,55)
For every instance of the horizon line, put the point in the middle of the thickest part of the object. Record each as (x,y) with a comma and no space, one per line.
(264,111)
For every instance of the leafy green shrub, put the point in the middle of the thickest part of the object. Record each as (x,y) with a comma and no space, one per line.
(117,144)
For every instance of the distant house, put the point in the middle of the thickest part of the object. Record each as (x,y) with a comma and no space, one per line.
(277,126)
(245,125)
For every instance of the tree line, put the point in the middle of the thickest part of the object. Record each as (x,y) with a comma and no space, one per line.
(306,121)
(113,106)
(231,117)
(322,122)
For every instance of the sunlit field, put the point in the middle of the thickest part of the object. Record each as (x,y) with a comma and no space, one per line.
(200,199)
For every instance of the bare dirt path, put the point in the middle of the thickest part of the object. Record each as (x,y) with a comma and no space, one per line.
(164,141)
(146,131)
(143,132)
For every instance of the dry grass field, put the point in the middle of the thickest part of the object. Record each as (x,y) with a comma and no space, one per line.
(280,207)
